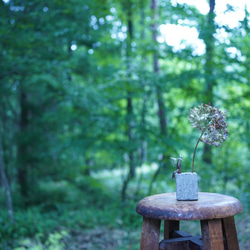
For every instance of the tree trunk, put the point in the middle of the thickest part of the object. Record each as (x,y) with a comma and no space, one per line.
(129,106)
(159,94)
(156,69)
(210,80)
(23,147)
(130,113)
(143,149)
(6,185)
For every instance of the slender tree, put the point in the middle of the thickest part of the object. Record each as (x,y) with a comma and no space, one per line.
(143,61)
(210,80)
(159,92)
(6,185)
(23,147)
(156,70)
(129,99)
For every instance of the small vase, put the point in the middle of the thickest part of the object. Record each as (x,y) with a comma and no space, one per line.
(186,186)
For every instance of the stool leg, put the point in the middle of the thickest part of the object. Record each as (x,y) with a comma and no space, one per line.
(169,227)
(212,236)
(230,234)
(150,234)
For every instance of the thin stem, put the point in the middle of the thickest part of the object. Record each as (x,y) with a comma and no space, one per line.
(195,150)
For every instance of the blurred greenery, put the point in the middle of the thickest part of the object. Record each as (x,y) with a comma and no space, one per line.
(92,105)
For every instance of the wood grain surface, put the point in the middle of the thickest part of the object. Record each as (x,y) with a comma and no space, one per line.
(208,206)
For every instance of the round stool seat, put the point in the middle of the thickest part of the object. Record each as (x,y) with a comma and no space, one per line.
(208,206)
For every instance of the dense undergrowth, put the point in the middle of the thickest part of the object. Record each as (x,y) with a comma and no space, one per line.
(87,213)
(62,208)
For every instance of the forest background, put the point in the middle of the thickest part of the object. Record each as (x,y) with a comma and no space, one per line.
(93,102)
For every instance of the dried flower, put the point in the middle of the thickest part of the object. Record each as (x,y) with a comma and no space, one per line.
(211,122)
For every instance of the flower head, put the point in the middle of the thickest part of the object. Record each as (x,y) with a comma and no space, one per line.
(211,122)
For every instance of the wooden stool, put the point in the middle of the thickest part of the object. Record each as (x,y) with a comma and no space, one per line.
(215,212)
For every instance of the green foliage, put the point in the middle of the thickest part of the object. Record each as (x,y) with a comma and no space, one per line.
(64,207)
(79,100)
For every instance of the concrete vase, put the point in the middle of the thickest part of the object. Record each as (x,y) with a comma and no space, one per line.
(186,186)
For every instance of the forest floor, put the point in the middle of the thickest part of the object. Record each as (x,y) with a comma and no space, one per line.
(122,239)
(114,237)
(103,238)
(89,216)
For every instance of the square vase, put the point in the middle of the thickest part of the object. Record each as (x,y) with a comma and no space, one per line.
(186,186)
